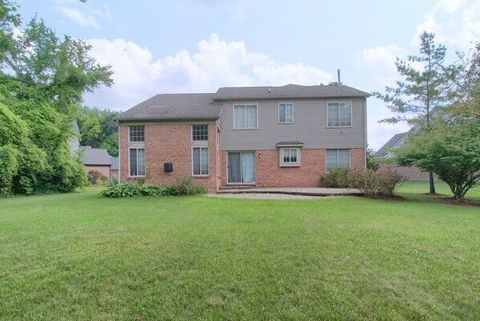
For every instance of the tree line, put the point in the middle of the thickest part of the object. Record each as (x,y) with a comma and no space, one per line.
(42,81)
(442,103)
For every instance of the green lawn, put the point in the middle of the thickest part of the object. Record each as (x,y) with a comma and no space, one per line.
(81,257)
(415,189)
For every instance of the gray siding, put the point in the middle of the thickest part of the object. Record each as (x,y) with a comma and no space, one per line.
(309,127)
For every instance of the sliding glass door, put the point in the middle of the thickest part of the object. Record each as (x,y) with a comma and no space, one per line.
(241,167)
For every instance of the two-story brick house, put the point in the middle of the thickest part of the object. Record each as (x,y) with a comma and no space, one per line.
(256,136)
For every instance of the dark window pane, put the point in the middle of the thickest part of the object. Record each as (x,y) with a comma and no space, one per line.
(200,132)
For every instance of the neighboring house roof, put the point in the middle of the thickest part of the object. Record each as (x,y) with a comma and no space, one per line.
(174,107)
(96,156)
(395,141)
(114,163)
(288,91)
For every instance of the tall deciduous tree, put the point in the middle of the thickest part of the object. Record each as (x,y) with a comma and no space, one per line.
(98,128)
(42,80)
(421,88)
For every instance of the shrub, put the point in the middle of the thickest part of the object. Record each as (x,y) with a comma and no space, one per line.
(8,168)
(375,184)
(338,178)
(182,187)
(150,189)
(95,177)
(116,190)
(185,186)
(169,190)
(370,182)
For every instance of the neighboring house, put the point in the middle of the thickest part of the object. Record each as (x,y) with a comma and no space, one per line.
(94,159)
(97,159)
(114,168)
(411,173)
(396,141)
(253,136)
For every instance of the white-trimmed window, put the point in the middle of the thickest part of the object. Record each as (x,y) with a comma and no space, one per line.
(285,113)
(339,114)
(290,156)
(338,158)
(200,132)
(245,117)
(136,162)
(200,161)
(136,134)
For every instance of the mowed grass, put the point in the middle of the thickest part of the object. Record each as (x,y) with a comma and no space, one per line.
(80,257)
(416,189)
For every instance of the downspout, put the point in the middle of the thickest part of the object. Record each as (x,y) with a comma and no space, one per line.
(365,129)
(119,152)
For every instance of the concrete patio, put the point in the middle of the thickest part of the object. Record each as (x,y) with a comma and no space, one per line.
(306,191)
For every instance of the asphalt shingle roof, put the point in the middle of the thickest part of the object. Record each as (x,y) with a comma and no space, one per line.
(114,163)
(174,107)
(288,91)
(391,143)
(208,105)
(96,156)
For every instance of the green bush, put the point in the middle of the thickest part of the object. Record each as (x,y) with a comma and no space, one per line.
(8,168)
(338,178)
(95,177)
(169,190)
(150,189)
(183,187)
(375,183)
(370,182)
(117,190)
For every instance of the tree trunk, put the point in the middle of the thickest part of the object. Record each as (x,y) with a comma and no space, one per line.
(431,183)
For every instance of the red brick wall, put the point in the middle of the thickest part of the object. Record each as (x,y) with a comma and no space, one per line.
(313,166)
(104,170)
(170,142)
(357,158)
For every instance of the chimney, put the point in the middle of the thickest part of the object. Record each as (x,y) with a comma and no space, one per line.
(338,77)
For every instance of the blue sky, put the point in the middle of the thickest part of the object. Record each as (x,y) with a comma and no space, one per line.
(197,46)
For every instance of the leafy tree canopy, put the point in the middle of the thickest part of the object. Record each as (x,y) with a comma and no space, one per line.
(42,81)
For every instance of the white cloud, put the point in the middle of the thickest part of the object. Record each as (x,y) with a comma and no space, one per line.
(215,63)
(455,22)
(380,61)
(79,17)
(85,14)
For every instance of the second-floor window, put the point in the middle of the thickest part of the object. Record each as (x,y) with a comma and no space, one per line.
(199,132)
(339,114)
(245,117)
(285,113)
(136,133)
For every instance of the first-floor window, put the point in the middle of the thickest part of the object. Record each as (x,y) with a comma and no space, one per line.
(137,162)
(200,161)
(338,158)
(289,156)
